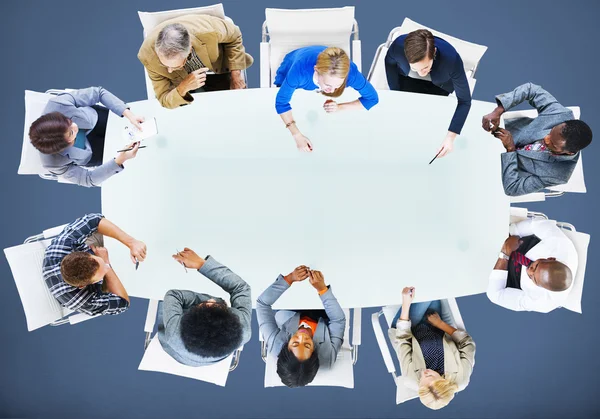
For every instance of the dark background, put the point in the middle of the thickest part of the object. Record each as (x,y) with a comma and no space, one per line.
(528,364)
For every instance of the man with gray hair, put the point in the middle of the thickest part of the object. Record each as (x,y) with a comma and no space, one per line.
(178,53)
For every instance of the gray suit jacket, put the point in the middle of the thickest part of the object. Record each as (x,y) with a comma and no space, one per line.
(328,338)
(77,106)
(177,302)
(523,171)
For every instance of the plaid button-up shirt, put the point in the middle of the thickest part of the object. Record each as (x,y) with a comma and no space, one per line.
(92,299)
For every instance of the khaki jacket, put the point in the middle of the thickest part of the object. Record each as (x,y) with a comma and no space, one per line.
(218,44)
(459,355)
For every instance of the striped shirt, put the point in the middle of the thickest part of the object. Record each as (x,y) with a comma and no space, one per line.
(193,63)
(92,299)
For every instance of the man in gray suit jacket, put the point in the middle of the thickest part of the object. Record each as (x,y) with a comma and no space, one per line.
(70,135)
(302,341)
(198,329)
(542,151)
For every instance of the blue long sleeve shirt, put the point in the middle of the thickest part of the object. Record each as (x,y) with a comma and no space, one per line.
(447,72)
(296,72)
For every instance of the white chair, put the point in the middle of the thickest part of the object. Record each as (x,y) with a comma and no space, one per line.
(150,20)
(286,30)
(156,359)
(470,53)
(342,372)
(580,240)
(405,389)
(40,306)
(575,184)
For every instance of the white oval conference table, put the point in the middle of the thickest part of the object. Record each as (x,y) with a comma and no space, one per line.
(223,177)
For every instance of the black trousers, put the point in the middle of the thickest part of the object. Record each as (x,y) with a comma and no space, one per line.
(215,82)
(420,86)
(96,136)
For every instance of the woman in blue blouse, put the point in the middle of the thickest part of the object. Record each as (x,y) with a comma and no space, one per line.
(327,70)
(421,63)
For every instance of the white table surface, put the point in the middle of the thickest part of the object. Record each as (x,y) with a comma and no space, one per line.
(223,177)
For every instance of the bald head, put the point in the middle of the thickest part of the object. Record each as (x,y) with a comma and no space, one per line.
(173,41)
(553,275)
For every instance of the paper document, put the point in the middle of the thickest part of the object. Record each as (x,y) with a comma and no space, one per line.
(149,129)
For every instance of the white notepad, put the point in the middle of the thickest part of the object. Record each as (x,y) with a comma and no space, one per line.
(132,134)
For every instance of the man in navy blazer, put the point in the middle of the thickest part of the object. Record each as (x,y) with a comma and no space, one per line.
(422,63)
(542,151)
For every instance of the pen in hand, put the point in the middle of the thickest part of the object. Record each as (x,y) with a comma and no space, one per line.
(131,148)
(436,156)
(182,264)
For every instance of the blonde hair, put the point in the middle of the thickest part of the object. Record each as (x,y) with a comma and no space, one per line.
(335,62)
(438,394)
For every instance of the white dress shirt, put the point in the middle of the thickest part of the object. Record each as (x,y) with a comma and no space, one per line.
(554,243)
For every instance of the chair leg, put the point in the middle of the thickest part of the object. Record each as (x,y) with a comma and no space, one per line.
(354,354)
(263,351)
(147,340)
(235,361)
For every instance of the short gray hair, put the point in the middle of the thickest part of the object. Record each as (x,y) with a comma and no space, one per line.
(173,41)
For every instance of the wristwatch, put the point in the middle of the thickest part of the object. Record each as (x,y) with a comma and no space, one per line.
(503,255)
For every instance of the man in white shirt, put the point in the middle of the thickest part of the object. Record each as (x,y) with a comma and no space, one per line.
(535,268)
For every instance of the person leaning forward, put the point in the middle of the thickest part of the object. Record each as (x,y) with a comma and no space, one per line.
(178,52)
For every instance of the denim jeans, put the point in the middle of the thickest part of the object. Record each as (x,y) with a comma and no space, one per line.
(416,313)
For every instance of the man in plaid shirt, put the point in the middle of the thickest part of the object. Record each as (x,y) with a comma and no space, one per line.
(79,275)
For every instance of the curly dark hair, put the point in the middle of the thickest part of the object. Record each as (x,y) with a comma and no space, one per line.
(48,133)
(577,135)
(78,268)
(211,330)
(296,373)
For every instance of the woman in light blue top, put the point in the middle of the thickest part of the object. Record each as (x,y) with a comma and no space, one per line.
(327,70)
(70,135)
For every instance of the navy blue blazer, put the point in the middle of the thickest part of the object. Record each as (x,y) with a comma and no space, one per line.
(447,73)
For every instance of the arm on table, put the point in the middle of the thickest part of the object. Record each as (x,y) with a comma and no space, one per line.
(238,289)
(264,312)
(337,320)
(463,94)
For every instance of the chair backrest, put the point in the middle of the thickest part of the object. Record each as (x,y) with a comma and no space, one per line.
(40,306)
(581,242)
(292,29)
(156,359)
(151,19)
(576,182)
(340,375)
(35,103)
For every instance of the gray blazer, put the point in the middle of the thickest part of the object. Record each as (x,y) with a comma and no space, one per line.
(177,302)
(523,171)
(77,106)
(328,337)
